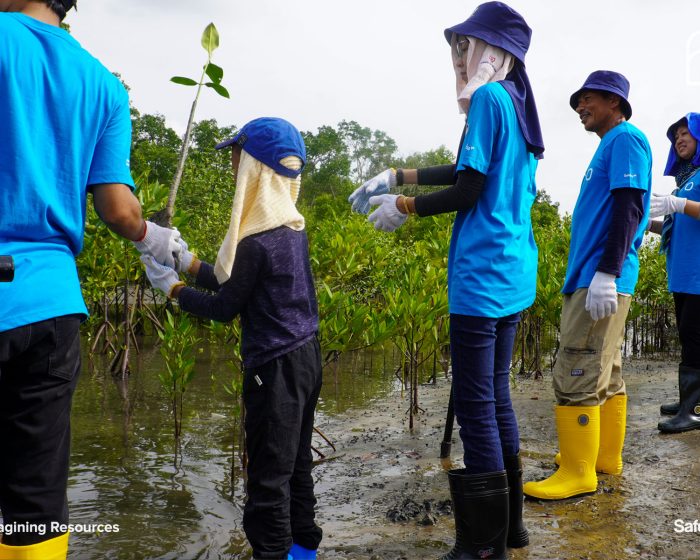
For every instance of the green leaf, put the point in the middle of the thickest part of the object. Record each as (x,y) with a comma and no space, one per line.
(183,81)
(218,88)
(216,73)
(210,38)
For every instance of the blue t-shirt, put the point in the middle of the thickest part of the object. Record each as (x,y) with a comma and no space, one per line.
(622,160)
(683,258)
(64,125)
(492,267)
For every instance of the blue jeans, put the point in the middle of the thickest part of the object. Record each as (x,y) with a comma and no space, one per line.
(482,349)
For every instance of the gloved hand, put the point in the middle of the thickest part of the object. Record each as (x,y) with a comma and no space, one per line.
(666,204)
(160,276)
(387,217)
(377,185)
(601,300)
(161,243)
(186,258)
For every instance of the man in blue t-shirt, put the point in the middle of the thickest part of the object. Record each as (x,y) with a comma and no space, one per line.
(65,131)
(606,230)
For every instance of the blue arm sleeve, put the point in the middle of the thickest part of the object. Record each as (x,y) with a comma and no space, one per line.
(628,209)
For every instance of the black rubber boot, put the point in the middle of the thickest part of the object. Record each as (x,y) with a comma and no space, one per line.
(480,507)
(688,417)
(517,533)
(670,409)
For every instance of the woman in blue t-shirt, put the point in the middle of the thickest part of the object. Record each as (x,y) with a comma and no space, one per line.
(680,238)
(492,265)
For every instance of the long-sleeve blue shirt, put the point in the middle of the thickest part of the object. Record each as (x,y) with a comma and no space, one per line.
(272,289)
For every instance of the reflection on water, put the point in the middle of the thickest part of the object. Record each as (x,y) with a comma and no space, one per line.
(171,503)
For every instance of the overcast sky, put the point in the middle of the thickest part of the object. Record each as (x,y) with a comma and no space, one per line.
(386,65)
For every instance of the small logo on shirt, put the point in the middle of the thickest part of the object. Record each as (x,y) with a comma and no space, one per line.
(128,163)
(689,186)
(576,372)
(589,174)
(468,148)
(629,176)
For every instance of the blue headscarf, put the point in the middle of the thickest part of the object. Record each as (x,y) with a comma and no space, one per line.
(680,169)
(692,121)
(499,25)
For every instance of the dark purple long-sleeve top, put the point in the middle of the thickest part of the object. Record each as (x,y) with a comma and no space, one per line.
(272,289)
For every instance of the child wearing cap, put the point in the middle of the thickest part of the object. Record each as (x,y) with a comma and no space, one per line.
(262,273)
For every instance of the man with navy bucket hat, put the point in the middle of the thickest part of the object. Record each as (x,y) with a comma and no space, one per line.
(492,264)
(607,228)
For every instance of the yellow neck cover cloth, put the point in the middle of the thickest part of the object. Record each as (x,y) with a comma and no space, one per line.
(264,200)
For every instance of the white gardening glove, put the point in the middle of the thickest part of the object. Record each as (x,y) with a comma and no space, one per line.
(160,276)
(161,243)
(387,217)
(601,300)
(186,258)
(666,204)
(377,185)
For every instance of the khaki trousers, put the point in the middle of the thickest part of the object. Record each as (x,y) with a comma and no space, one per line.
(588,370)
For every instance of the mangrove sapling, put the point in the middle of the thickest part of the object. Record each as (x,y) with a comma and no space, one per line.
(414,308)
(210,42)
(179,339)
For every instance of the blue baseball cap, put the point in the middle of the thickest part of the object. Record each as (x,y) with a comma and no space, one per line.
(499,25)
(606,80)
(270,140)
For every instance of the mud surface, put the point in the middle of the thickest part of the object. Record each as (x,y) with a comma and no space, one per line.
(384,496)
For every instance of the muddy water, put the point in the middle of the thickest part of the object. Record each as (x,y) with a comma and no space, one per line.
(125,471)
(174,503)
(630,516)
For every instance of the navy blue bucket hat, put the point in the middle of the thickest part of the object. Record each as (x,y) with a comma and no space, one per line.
(270,140)
(501,26)
(606,80)
(692,121)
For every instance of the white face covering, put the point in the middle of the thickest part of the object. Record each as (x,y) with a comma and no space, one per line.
(482,63)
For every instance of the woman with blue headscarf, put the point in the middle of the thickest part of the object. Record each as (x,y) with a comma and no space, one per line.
(680,239)
(492,265)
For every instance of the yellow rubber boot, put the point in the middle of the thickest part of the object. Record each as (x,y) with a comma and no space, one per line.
(52,549)
(613,423)
(579,438)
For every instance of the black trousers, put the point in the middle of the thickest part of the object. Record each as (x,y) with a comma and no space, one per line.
(39,369)
(688,321)
(280,398)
